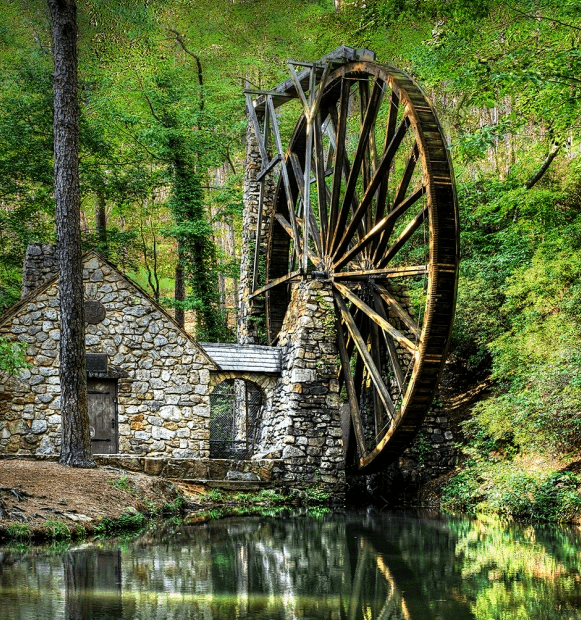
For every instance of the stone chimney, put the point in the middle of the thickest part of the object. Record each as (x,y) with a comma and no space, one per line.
(40,265)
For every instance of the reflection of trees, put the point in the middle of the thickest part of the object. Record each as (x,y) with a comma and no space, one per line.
(520,572)
(92,584)
(365,566)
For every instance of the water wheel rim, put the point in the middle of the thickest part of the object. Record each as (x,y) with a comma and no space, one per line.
(441,266)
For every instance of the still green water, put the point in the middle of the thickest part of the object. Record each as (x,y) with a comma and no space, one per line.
(365,565)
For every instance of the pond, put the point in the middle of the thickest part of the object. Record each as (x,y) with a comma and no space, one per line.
(352,565)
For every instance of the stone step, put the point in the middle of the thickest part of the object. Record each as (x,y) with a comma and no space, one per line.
(231,485)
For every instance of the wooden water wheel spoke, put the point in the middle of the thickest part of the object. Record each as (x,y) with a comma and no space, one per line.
(360,152)
(389,221)
(372,188)
(368,362)
(385,325)
(397,309)
(341,129)
(410,229)
(387,272)
(390,345)
(384,226)
(381,226)
(350,388)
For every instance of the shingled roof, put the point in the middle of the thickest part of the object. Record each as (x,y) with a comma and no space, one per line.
(244,357)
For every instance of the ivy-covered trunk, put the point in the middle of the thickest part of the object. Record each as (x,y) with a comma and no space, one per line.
(197,253)
(76,441)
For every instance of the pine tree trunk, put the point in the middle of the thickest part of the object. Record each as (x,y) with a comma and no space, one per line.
(76,441)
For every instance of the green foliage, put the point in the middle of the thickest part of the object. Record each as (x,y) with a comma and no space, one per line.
(19,531)
(216,495)
(57,530)
(127,522)
(509,491)
(12,356)
(174,507)
(122,484)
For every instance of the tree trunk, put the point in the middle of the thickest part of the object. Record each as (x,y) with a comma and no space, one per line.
(76,441)
(180,290)
(101,222)
(537,176)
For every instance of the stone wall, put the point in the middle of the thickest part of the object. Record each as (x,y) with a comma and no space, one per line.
(40,265)
(303,427)
(251,312)
(163,375)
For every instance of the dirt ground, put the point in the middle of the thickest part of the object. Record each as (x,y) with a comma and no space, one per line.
(35,492)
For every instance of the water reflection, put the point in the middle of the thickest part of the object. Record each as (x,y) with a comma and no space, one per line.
(354,566)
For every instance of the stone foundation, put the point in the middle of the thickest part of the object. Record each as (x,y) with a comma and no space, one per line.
(304,427)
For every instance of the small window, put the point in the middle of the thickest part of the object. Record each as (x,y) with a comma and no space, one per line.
(235,416)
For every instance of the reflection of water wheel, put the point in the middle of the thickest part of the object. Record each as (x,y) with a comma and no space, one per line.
(381,225)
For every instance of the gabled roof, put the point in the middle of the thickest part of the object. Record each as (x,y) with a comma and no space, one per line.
(245,357)
(19,305)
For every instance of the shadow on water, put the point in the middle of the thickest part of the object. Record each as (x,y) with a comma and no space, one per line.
(358,565)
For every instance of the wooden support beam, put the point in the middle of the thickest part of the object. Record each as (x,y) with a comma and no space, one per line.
(273,283)
(285,179)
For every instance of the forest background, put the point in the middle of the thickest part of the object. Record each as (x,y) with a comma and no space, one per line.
(163,118)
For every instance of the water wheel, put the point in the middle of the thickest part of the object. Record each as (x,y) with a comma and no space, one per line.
(366,200)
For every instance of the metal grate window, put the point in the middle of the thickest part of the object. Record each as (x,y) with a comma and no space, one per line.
(235,415)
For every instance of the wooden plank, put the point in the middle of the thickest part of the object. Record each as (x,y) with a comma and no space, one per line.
(286,182)
(387,272)
(390,130)
(274,283)
(397,309)
(271,164)
(385,325)
(350,387)
(367,359)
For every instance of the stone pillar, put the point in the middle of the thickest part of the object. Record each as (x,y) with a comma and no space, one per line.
(251,312)
(40,265)
(304,425)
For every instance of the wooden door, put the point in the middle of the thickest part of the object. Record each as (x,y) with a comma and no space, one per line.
(102,396)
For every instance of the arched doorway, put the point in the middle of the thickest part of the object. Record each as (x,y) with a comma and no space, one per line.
(235,414)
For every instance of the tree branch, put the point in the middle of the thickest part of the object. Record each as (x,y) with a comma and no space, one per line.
(540,17)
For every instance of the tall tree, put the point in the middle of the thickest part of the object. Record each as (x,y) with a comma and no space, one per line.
(76,441)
